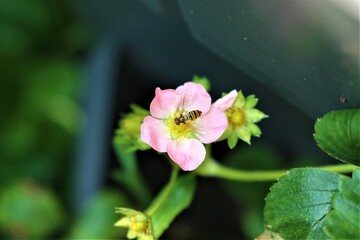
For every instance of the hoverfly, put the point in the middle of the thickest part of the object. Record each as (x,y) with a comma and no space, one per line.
(189,117)
(185,116)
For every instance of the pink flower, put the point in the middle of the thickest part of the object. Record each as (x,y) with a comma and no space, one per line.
(182,120)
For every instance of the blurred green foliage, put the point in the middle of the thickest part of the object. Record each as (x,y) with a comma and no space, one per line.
(40,84)
(251,195)
(97,222)
(41,47)
(29,211)
(129,175)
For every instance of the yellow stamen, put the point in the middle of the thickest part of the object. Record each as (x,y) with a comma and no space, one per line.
(177,131)
(139,227)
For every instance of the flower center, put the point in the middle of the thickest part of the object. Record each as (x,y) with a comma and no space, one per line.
(139,227)
(181,130)
(236,117)
(139,224)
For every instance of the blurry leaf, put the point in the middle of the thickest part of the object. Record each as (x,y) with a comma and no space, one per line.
(46,76)
(24,25)
(178,199)
(76,37)
(29,211)
(13,42)
(250,158)
(343,221)
(30,15)
(306,161)
(129,175)
(29,27)
(44,106)
(251,194)
(252,221)
(297,205)
(53,86)
(19,137)
(338,134)
(98,218)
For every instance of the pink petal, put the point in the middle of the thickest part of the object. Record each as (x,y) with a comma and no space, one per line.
(155,133)
(165,103)
(194,97)
(187,153)
(211,125)
(226,101)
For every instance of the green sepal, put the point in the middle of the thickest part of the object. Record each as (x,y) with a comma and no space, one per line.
(232,140)
(240,100)
(254,115)
(255,130)
(250,101)
(244,134)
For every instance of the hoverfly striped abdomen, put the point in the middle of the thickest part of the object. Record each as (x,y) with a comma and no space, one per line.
(192,115)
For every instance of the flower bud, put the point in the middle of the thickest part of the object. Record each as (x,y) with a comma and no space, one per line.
(128,133)
(202,81)
(138,223)
(242,116)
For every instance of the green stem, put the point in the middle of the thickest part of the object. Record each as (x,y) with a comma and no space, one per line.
(212,168)
(339,168)
(162,197)
(130,176)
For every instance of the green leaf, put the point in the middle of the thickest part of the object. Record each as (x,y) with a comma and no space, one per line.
(178,199)
(297,205)
(344,219)
(338,134)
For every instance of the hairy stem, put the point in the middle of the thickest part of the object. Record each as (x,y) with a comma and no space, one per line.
(212,168)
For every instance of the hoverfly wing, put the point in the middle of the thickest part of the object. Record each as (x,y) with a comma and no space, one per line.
(186,101)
